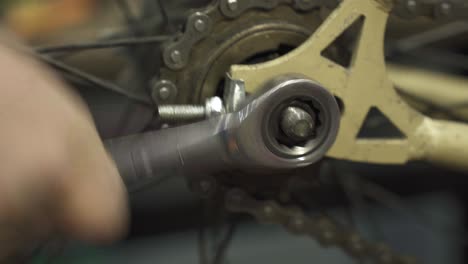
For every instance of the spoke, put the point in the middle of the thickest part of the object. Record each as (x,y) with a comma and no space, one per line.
(164,15)
(137,56)
(103,45)
(425,38)
(95,80)
(224,244)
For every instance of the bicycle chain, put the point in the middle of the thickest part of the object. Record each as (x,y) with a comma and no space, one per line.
(323,228)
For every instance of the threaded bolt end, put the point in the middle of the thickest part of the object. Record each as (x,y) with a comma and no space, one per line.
(181,113)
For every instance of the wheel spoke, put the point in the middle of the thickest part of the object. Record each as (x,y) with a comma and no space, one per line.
(95,80)
(103,45)
(224,244)
(164,15)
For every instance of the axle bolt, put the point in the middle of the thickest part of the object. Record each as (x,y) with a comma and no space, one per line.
(298,124)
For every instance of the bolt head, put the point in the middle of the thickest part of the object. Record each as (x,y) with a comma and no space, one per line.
(214,106)
(297,123)
(233,5)
(303,128)
(200,25)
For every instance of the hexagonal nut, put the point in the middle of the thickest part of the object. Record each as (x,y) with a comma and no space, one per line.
(214,106)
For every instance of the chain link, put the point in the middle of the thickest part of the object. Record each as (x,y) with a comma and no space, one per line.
(323,228)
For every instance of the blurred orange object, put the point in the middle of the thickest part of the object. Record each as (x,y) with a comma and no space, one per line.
(35,19)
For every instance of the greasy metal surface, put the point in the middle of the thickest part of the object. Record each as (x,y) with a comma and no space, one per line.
(361,86)
(322,228)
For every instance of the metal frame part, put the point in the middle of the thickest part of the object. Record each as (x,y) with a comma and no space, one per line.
(364,85)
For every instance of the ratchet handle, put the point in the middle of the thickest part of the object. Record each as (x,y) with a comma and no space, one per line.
(142,157)
(241,139)
(194,148)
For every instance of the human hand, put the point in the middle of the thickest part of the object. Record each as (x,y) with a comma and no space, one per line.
(55,175)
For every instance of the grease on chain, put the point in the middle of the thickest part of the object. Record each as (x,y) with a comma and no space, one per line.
(324,229)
